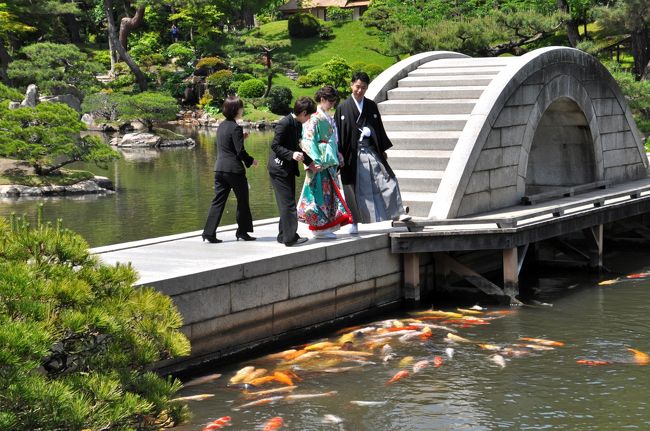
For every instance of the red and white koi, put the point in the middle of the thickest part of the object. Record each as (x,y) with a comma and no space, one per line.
(218,424)
(420,365)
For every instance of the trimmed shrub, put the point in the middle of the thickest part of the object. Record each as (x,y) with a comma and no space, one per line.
(325,32)
(279,100)
(373,70)
(251,88)
(8,93)
(146,45)
(313,78)
(241,77)
(208,65)
(303,25)
(218,84)
(181,52)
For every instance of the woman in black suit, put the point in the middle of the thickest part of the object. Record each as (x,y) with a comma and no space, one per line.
(229,173)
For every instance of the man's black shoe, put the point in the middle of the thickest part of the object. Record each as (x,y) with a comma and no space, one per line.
(298,240)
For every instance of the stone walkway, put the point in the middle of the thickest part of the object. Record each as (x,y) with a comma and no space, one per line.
(180,255)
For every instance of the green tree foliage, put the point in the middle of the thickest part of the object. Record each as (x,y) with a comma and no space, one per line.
(76,338)
(631,17)
(54,68)
(251,88)
(498,33)
(303,25)
(47,136)
(338,14)
(147,107)
(8,93)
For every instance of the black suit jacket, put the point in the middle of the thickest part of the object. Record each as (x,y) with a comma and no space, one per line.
(285,142)
(348,121)
(231,155)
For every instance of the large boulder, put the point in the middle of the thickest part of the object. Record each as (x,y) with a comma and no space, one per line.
(31,96)
(69,99)
(138,139)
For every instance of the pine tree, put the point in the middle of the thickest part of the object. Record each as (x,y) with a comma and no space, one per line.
(77,339)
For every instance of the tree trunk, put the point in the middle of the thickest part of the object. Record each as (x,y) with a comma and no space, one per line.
(5,59)
(571,24)
(128,24)
(139,76)
(640,52)
(113,55)
(72,26)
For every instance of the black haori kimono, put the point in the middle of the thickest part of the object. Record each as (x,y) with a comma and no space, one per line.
(370,187)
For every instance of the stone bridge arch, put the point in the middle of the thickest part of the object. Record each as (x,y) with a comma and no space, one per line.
(553,117)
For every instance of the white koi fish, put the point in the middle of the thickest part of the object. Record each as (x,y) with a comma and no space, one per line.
(368,403)
(498,359)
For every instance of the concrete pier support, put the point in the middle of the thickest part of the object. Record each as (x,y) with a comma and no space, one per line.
(594,236)
(510,272)
(412,285)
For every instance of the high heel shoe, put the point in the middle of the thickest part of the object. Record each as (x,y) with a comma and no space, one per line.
(211,239)
(245,236)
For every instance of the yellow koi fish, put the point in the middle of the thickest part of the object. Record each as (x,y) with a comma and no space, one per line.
(543,342)
(468,311)
(405,361)
(202,380)
(640,357)
(438,313)
(458,339)
(241,375)
(256,394)
(320,346)
(259,372)
(200,397)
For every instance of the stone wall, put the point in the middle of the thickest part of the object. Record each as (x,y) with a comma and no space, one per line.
(243,306)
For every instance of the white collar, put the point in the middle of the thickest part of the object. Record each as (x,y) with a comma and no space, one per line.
(359,104)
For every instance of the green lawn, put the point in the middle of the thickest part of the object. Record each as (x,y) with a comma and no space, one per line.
(351,42)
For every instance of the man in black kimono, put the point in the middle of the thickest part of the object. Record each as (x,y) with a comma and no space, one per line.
(370,187)
(283,168)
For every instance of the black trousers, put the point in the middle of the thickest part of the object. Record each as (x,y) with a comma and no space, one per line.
(285,197)
(223,183)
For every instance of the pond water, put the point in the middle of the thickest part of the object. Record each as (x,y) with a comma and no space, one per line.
(535,389)
(159,192)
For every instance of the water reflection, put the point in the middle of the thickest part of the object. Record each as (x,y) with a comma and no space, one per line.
(159,192)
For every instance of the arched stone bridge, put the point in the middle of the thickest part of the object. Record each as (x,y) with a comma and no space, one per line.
(473,135)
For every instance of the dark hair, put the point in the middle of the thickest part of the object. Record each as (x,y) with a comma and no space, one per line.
(362,76)
(304,104)
(328,93)
(231,107)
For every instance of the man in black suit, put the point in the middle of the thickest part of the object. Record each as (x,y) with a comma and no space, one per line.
(283,168)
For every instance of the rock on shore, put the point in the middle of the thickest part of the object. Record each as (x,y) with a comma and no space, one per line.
(93,186)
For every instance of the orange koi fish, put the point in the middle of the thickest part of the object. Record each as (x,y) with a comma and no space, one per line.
(437,361)
(218,424)
(274,424)
(543,342)
(458,339)
(592,363)
(640,357)
(283,378)
(400,375)
(319,346)
(262,380)
(280,355)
